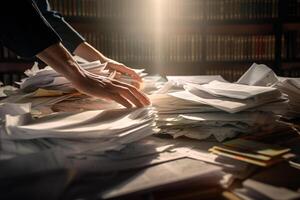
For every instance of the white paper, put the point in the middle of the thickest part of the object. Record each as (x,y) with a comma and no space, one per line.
(258,75)
(237,91)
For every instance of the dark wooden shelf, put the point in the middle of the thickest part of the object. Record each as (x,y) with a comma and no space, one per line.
(295,26)
(290,65)
(297,60)
(16,60)
(15,66)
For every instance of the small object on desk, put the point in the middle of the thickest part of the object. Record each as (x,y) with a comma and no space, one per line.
(258,147)
(253,152)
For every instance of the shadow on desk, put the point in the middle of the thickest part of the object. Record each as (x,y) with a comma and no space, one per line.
(52,175)
(179,179)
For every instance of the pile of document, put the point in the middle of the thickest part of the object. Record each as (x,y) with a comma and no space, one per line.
(232,97)
(199,107)
(291,87)
(47,112)
(74,132)
(261,75)
(208,106)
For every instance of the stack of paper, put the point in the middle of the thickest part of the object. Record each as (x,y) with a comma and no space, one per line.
(231,97)
(251,151)
(261,75)
(258,75)
(220,125)
(216,108)
(198,107)
(81,132)
(291,87)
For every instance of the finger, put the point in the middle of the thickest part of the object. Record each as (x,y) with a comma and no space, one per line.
(131,97)
(118,75)
(136,84)
(126,70)
(121,100)
(134,75)
(113,74)
(126,93)
(135,92)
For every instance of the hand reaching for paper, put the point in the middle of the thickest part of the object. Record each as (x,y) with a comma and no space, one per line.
(122,69)
(88,52)
(91,84)
(109,88)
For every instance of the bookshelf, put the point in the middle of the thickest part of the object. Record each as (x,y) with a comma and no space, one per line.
(189,36)
(290,39)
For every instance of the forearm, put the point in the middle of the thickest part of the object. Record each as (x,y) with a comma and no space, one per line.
(88,52)
(58,57)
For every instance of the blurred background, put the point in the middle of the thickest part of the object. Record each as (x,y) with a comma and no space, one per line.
(183,37)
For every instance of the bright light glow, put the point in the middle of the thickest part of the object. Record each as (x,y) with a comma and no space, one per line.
(158,33)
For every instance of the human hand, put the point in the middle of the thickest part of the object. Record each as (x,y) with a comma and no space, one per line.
(121,68)
(109,88)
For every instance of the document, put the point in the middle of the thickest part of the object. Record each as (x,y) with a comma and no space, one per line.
(98,130)
(236,91)
(223,103)
(204,79)
(258,75)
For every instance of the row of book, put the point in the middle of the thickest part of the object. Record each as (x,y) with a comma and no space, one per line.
(291,45)
(169,9)
(240,48)
(221,9)
(80,8)
(291,73)
(137,49)
(104,8)
(184,47)
(122,47)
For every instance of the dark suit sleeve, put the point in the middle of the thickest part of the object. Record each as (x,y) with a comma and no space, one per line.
(23,29)
(70,37)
